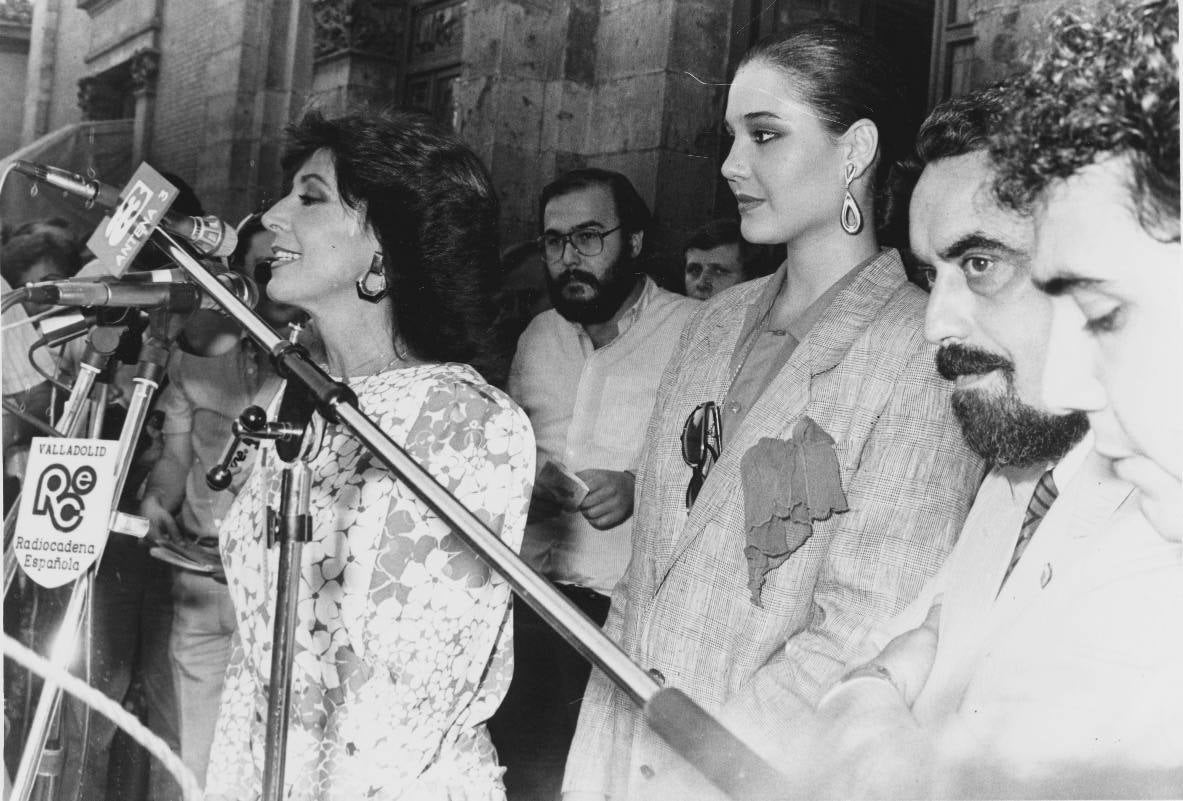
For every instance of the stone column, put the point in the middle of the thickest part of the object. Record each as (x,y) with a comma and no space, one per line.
(356,44)
(39,77)
(145,66)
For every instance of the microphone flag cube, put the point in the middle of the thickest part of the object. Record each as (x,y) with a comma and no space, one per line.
(122,234)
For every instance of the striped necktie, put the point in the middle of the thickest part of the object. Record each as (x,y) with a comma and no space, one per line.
(1041,500)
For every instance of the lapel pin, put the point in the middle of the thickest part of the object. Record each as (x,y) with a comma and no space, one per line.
(1046,577)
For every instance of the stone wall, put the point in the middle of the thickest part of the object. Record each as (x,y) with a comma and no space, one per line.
(1006,31)
(545,85)
(628,85)
(992,37)
(16,19)
(231,74)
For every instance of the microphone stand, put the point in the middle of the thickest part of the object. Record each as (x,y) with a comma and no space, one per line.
(681,722)
(298,435)
(153,361)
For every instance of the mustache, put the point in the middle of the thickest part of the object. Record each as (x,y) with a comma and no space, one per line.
(575,274)
(956,360)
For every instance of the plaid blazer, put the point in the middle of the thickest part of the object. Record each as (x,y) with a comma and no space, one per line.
(865,374)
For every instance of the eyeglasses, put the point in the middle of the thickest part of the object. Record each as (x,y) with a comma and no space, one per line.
(586,241)
(702,439)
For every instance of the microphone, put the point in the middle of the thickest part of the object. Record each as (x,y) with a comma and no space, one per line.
(208,235)
(62,328)
(141,292)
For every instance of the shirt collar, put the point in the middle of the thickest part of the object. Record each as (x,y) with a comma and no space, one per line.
(800,327)
(1069,466)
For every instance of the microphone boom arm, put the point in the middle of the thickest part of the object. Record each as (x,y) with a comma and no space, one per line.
(725,761)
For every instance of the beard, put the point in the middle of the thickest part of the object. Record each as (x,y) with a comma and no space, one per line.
(606,295)
(1000,427)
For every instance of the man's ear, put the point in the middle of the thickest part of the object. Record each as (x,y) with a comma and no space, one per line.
(860,145)
(635,240)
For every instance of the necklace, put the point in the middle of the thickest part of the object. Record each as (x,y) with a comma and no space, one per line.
(363,370)
(749,345)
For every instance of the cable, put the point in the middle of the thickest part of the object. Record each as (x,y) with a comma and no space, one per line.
(105,706)
(12,297)
(52,379)
(30,320)
(42,426)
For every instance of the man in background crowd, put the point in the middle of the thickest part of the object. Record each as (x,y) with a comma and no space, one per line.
(718,258)
(586,372)
(207,391)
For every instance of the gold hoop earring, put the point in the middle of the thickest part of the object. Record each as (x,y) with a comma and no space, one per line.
(852,215)
(371,287)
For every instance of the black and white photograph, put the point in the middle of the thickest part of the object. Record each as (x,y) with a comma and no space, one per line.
(591,400)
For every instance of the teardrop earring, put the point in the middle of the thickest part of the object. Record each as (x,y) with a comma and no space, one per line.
(371,287)
(852,215)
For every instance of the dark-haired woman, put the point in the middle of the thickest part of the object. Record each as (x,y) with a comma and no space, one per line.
(804,473)
(388,241)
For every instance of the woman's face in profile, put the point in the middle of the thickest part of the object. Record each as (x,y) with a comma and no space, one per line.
(784,167)
(321,245)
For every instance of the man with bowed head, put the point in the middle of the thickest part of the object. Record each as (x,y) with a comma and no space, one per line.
(586,373)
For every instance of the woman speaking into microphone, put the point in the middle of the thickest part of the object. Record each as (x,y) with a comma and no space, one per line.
(388,240)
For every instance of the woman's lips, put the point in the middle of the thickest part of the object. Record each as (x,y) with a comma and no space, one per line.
(282,256)
(747,202)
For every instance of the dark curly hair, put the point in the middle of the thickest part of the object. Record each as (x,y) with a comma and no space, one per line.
(1108,85)
(42,243)
(845,77)
(430,202)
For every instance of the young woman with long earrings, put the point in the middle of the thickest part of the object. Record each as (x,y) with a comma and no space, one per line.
(804,473)
(388,240)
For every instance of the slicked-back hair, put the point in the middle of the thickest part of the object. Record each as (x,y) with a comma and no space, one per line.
(844,76)
(630,206)
(1107,85)
(432,207)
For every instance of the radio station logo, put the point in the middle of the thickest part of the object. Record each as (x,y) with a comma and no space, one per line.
(122,234)
(60,495)
(65,513)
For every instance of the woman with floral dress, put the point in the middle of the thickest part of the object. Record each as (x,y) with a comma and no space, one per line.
(388,240)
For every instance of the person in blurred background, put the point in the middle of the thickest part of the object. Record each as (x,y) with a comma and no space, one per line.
(586,373)
(209,387)
(718,258)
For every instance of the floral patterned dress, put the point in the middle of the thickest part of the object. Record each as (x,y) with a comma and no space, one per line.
(403,639)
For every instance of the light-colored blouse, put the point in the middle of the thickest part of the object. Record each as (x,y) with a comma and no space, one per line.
(403,638)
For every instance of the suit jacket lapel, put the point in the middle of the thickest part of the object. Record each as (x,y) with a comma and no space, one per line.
(976,613)
(1078,516)
(704,376)
(983,552)
(787,395)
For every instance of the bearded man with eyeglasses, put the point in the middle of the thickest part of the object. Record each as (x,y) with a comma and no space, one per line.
(586,372)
